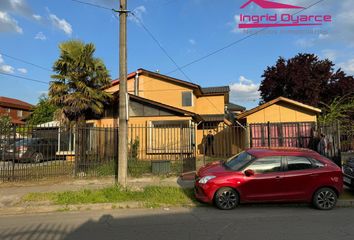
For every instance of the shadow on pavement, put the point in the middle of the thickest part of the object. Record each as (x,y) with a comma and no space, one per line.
(245,222)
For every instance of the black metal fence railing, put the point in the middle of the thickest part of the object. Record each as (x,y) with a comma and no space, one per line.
(43,151)
(53,150)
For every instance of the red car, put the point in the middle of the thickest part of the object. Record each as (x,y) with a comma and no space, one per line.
(270,175)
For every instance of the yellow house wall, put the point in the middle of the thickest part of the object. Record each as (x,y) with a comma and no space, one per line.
(171,94)
(282,112)
(130,87)
(164,92)
(210,105)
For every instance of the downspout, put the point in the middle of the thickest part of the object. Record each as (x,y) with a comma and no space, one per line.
(136,84)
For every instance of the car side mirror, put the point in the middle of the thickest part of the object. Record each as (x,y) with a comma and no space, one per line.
(249,173)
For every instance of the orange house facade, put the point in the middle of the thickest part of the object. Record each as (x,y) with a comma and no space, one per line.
(164,105)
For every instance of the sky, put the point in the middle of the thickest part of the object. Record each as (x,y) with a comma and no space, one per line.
(188,30)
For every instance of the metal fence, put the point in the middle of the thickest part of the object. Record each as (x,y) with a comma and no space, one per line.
(43,151)
(35,152)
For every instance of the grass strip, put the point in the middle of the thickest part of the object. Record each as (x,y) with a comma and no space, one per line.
(152,196)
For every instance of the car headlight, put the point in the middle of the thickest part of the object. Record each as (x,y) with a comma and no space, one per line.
(205,179)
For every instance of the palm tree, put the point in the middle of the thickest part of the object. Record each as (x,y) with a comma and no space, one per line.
(77,86)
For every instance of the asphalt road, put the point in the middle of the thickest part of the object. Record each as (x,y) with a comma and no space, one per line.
(246,222)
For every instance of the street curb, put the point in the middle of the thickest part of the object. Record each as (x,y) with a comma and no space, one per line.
(113,206)
(345,203)
(82,207)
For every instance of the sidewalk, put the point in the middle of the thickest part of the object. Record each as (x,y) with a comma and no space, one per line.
(12,193)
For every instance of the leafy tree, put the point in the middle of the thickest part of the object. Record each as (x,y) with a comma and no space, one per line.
(5,125)
(341,108)
(43,112)
(305,78)
(76,89)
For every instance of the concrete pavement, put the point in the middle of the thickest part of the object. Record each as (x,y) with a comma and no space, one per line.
(245,222)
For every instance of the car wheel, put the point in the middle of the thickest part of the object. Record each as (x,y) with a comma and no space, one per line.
(325,199)
(226,198)
(37,157)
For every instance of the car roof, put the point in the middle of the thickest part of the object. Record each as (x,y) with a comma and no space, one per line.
(281,151)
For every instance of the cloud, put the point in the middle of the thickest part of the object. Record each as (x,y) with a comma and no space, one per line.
(8,24)
(22,70)
(305,42)
(244,91)
(138,12)
(192,41)
(19,7)
(234,24)
(40,36)
(37,17)
(4,67)
(7,69)
(331,54)
(347,66)
(61,24)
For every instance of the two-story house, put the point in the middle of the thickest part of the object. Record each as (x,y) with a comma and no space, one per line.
(157,101)
(17,110)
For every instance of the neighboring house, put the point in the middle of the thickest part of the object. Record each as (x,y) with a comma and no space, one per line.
(280,110)
(281,122)
(16,109)
(161,102)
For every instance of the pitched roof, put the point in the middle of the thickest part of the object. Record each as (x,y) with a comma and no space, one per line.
(279,99)
(15,103)
(167,107)
(207,90)
(235,107)
(221,89)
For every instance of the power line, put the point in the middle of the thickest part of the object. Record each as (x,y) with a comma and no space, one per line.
(24,78)
(160,46)
(92,5)
(235,42)
(26,62)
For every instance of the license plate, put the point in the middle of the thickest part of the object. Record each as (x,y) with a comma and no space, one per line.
(347,180)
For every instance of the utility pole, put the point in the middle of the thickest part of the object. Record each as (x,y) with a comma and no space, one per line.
(123,96)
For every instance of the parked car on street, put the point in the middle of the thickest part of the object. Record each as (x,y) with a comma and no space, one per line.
(32,150)
(270,175)
(348,173)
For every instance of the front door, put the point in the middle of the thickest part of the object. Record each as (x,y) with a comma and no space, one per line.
(266,183)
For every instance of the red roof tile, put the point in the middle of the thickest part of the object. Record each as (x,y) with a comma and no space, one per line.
(15,103)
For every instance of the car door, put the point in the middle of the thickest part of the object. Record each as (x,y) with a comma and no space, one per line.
(298,179)
(266,183)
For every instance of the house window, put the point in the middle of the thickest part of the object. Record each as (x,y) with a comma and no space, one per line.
(170,137)
(8,110)
(19,113)
(187,99)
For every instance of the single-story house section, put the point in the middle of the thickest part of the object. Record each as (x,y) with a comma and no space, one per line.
(281,122)
(280,110)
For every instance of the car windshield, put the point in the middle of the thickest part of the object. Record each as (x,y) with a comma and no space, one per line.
(238,161)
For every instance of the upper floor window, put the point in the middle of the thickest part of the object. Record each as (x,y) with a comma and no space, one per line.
(187,99)
(19,113)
